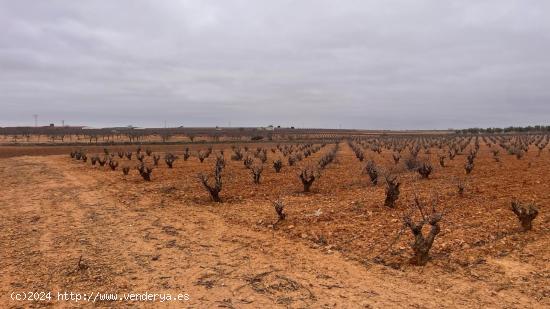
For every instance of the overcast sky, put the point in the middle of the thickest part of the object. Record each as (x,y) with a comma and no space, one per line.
(356,64)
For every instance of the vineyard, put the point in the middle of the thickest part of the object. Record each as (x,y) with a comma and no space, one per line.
(367,198)
(461,214)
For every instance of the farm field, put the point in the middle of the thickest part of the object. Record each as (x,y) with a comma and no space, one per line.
(71,225)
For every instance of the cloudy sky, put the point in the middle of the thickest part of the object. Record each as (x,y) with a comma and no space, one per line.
(356,64)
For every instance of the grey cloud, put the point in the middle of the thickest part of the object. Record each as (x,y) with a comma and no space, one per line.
(359,64)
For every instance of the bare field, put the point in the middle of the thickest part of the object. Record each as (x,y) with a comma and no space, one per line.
(71,226)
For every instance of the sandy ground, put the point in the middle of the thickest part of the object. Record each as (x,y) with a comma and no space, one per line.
(67,226)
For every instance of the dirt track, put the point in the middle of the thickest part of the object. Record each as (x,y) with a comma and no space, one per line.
(52,219)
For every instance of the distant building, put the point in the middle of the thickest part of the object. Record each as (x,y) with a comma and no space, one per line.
(128,127)
(268,128)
